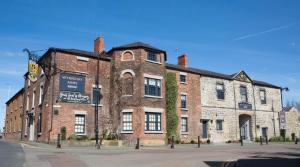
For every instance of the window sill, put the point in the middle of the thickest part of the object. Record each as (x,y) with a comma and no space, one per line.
(126,95)
(153,132)
(184,109)
(99,105)
(155,62)
(80,134)
(222,100)
(184,133)
(184,83)
(126,132)
(220,131)
(157,97)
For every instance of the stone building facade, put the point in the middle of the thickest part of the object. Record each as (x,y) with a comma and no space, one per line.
(13,116)
(133,105)
(292,117)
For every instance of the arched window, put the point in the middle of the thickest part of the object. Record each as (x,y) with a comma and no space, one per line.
(127,84)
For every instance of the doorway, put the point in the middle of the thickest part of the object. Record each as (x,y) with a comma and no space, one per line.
(245,130)
(264,131)
(31,127)
(205,128)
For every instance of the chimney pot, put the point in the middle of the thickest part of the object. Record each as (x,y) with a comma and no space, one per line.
(99,45)
(183,60)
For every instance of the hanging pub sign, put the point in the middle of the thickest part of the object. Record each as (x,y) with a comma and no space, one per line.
(33,67)
(282,119)
(72,88)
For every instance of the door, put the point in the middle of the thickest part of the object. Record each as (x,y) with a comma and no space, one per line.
(264,131)
(31,127)
(245,130)
(205,129)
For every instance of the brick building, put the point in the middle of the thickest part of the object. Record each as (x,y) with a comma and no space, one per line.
(132,83)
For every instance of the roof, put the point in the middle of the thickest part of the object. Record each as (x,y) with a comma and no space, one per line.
(216,74)
(139,45)
(15,96)
(103,55)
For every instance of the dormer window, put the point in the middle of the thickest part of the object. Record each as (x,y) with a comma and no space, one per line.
(152,56)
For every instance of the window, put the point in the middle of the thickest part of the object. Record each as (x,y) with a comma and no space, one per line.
(184,126)
(219,124)
(152,87)
(183,101)
(41,94)
(27,102)
(40,124)
(152,121)
(243,92)
(262,94)
(127,121)
(152,56)
(182,77)
(127,84)
(96,95)
(220,91)
(33,98)
(80,124)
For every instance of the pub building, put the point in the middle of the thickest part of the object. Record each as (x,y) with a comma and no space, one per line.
(132,84)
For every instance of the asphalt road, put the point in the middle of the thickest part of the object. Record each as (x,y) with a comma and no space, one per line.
(11,155)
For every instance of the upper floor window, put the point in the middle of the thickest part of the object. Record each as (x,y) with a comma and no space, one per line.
(244,94)
(152,56)
(263,98)
(27,102)
(220,91)
(127,55)
(41,94)
(182,77)
(127,84)
(183,101)
(152,87)
(152,121)
(33,99)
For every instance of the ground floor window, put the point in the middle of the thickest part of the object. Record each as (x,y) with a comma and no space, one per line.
(152,121)
(219,124)
(40,123)
(127,121)
(80,124)
(184,125)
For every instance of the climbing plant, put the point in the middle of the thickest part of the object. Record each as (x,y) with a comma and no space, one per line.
(171,98)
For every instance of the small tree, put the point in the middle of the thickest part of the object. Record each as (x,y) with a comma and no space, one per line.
(171,98)
(63,133)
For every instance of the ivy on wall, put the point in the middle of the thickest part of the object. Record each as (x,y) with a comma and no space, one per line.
(171,97)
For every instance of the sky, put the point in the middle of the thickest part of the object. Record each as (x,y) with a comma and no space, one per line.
(261,37)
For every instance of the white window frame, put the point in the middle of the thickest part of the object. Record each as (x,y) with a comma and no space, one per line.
(82,114)
(155,110)
(81,58)
(130,51)
(127,111)
(41,93)
(184,74)
(33,98)
(157,77)
(27,102)
(187,125)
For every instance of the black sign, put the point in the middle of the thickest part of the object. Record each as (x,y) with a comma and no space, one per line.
(72,82)
(282,119)
(74,97)
(245,106)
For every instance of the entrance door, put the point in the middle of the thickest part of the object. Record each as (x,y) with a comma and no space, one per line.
(205,129)
(264,131)
(31,127)
(245,130)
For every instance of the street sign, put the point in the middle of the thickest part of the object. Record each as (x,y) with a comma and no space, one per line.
(282,122)
(72,82)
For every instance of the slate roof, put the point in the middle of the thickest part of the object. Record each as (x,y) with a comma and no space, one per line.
(139,45)
(103,55)
(15,96)
(215,74)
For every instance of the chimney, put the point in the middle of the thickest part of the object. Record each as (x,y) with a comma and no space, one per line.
(99,44)
(182,60)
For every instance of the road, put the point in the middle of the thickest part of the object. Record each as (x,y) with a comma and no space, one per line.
(287,155)
(11,155)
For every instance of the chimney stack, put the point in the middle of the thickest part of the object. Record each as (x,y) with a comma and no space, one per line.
(99,45)
(183,60)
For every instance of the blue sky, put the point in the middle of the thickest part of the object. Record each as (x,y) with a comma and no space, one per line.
(260,37)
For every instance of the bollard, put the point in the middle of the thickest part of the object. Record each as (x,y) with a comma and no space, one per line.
(296,141)
(198,141)
(260,139)
(172,143)
(137,146)
(58,145)
(267,141)
(241,140)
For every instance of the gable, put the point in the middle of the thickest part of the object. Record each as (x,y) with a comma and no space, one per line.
(242,76)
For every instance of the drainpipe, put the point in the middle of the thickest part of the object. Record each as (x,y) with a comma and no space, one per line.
(236,128)
(254,106)
(23,109)
(52,93)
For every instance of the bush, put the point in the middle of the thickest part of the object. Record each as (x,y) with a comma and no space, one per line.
(193,142)
(279,139)
(72,137)
(110,136)
(76,137)
(208,141)
(63,133)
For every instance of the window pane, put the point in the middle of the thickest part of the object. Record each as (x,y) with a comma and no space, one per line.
(80,124)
